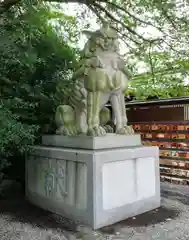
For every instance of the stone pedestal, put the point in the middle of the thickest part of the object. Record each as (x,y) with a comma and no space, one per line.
(95,180)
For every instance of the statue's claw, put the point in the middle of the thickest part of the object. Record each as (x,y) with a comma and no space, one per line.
(67,131)
(127,130)
(96,131)
(108,129)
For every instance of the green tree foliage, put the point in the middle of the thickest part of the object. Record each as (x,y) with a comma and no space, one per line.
(34,56)
(167,76)
(142,24)
(168,17)
(155,33)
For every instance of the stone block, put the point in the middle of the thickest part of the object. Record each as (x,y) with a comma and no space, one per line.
(87,142)
(95,187)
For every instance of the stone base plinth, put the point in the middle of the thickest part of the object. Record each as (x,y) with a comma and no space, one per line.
(87,142)
(96,187)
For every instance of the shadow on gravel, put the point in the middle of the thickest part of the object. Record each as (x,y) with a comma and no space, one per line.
(24,212)
(19,210)
(175,196)
(149,218)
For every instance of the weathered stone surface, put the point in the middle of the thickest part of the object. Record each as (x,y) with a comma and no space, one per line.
(87,142)
(95,187)
(102,76)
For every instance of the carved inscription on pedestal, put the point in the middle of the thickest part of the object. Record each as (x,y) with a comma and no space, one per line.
(49,184)
(54,174)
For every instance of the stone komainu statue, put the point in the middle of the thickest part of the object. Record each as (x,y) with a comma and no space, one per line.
(101,77)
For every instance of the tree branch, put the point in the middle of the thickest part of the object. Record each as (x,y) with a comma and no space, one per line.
(111,17)
(131,15)
(161,71)
(95,10)
(102,13)
(168,17)
(126,36)
(151,64)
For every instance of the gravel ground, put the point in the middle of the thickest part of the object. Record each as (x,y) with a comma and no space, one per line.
(21,221)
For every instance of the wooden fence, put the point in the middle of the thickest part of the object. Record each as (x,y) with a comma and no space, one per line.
(165,123)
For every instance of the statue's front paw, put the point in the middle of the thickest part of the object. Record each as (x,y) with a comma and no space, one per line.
(62,131)
(127,130)
(67,131)
(96,131)
(108,129)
